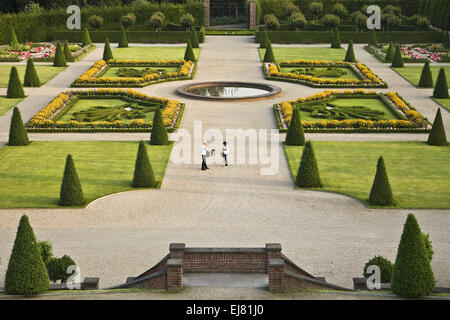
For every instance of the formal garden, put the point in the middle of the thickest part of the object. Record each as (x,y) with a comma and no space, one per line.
(93,111)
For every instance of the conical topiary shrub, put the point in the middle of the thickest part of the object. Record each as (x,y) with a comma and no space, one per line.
(194,39)
(295,135)
(15,89)
(123,41)
(445,40)
(13,38)
(426,79)
(397,60)
(373,39)
(437,135)
(71,193)
(264,40)
(86,38)
(336,39)
(390,52)
(350,55)
(159,134)
(143,172)
(17,134)
(67,52)
(412,275)
(308,172)
(381,192)
(26,274)
(441,89)
(189,52)
(107,53)
(268,55)
(60,59)
(31,78)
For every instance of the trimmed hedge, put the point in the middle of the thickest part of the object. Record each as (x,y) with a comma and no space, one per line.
(390,53)
(385,266)
(308,171)
(159,132)
(107,52)
(17,134)
(71,193)
(60,60)
(441,89)
(336,39)
(15,88)
(67,52)
(437,135)
(57,268)
(143,171)
(123,41)
(189,52)
(397,60)
(268,54)
(295,135)
(381,192)
(426,80)
(194,39)
(350,54)
(31,78)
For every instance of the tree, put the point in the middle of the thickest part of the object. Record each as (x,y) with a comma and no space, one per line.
(71,193)
(86,38)
(297,19)
(336,39)
(268,54)
(397,61)
(271,22)
(390,20)
(57,268)
(316,8)
(295,135)
(412,275)
(46,250)
(107,53)
(437,135)
(128,20)
(359,19)
(385,268)
(26,273)
(156,21)
(308,171)
(390,52)
(15,89)
(67,52)
(373,39)
(187,21)
(331,21)
(381,192)
(13,38)
(445,40)
(95,21)
(426,80)
(264,40)
(143,171)
(123,41)
(59,60)
(17,134)
(31,78)
(350,55)
(194,39)
(189,52)
(441,89)
(159,132)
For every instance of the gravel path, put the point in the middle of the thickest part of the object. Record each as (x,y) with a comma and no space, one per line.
(327,234)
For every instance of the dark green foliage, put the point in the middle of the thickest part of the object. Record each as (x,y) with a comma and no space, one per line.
(143,172)
(308,172)
(428,245)
(350,55)
(31,78)
(57,268)
(107,53)
(26,273)
(390,52)
(194,39)
(295,135)
(60,59)
(123,41)
(336,39)
(264,40)
(381,193)
(385,268)
(426,80)
(445,40)
(397,60)
(437,135)
(441,89)
(71,193)
(17,133)
(159,132)
(67,52)
(268,55)
(15,89)
(46,250)
(412,275)
(86,38)
(13,38)
(373,39)
(189,52)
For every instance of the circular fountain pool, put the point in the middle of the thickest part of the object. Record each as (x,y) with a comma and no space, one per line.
(228,90)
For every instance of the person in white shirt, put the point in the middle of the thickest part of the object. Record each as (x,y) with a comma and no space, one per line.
(204,155)
(225,153)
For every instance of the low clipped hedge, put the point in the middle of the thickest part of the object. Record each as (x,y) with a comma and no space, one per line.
(381,56)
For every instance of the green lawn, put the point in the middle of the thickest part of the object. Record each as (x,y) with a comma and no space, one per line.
(45,73)
(31,175)
(350,74)
(112,72)
(412,73)
(148,53)
(307,53)
(443,102)
(419,174)
(6,104)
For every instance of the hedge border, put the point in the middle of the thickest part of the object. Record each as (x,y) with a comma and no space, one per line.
(380,58)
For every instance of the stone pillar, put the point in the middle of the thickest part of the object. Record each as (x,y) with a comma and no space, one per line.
(177,250)
(276,274)
(207,13)
(273,251)
(174,274)
(252,17)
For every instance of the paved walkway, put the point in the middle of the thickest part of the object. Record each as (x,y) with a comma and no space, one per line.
(327,234)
